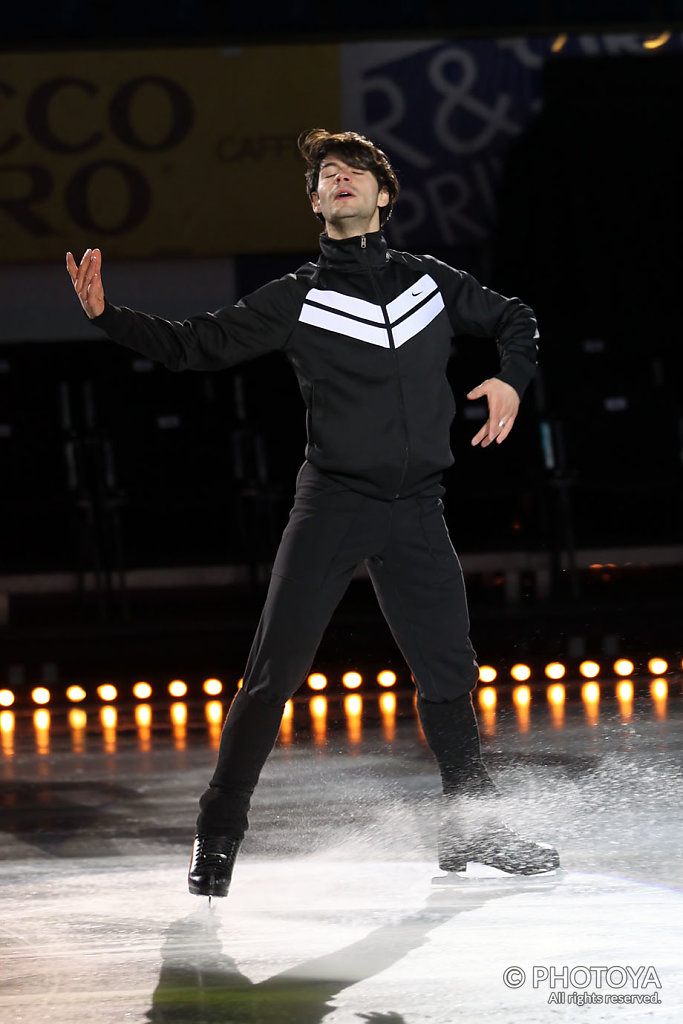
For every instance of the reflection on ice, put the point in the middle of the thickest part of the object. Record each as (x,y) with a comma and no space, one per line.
(374,942)
(333,915)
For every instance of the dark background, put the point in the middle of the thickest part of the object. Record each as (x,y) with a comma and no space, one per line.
(589,234)
(108,22)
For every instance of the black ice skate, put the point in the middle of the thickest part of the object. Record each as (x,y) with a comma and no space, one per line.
(472,832)
(213,858)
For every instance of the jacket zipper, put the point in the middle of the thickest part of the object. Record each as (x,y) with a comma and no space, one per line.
(401,399)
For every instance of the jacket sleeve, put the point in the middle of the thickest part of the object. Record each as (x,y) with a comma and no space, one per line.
(257,324)
(479,311)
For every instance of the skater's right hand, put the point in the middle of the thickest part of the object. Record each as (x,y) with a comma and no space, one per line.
(87,281)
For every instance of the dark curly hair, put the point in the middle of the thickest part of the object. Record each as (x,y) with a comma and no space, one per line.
(357,151)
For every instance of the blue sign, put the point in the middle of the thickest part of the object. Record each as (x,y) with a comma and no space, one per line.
(447,113)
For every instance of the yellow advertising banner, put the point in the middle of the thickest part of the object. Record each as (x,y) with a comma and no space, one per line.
(160,152)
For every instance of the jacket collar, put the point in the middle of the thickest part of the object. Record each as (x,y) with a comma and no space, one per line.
(347,254)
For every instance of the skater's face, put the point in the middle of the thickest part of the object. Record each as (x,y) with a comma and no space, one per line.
(349,198)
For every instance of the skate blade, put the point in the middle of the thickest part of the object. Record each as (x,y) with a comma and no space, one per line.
(194,891)
(484,874)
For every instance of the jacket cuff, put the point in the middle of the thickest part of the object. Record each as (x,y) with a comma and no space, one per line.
(518,378)
(106,317)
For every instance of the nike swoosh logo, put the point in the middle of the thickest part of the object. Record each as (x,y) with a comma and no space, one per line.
(416,293)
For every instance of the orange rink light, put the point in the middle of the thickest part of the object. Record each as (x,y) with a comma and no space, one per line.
(657,666)
(107,692)
(177,688)
(657,41)
(520,672)
(589,669)
(40,695)
(487,673)
(143,691)
(386,678)
(212,687)
(75,694)
(6,698)
(555,670)
(317,681)
(352,680)
(623,667)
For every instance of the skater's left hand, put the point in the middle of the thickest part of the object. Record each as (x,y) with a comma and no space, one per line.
(503,402)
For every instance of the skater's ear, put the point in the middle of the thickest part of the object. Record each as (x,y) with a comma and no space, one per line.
(383,198)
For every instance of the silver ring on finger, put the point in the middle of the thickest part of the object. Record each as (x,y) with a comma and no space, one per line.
(501,423)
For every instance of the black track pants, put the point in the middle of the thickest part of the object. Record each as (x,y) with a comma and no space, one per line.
(414,570)
(419,584)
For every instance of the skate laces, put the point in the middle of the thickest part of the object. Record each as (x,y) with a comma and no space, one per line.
(215,848)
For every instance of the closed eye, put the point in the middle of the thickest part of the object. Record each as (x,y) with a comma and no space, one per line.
(331,172)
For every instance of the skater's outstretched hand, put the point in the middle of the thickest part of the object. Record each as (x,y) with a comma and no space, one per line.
(87,280)
(503,402)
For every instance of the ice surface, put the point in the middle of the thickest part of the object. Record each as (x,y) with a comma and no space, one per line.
(333,914)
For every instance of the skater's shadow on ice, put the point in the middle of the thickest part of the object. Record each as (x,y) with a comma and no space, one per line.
(200,984)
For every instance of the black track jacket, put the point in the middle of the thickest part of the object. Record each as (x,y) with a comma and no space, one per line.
(368,331)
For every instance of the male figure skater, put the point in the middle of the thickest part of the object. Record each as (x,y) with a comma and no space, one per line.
(368,332)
